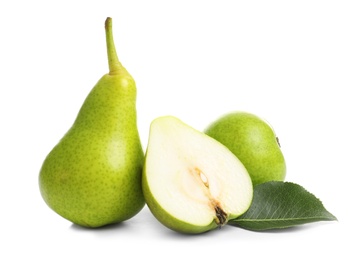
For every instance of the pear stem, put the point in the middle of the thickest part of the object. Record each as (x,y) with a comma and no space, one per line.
(115,67)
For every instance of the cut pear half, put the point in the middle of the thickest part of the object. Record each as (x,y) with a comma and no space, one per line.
(191,182)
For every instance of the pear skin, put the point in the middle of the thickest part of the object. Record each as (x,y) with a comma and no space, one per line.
(254,142)
(92,177)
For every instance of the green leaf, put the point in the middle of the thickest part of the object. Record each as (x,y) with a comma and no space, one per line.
(279,204)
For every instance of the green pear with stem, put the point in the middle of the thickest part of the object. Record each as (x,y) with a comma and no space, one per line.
(92,177)
(254,142)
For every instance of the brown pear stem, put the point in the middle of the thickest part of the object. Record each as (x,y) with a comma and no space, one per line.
(115,67)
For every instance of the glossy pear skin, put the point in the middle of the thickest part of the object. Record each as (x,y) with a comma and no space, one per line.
(92,177)
(254,142)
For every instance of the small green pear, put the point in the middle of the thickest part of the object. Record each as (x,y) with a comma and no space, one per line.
(254,142)
(92,177)
(191,182)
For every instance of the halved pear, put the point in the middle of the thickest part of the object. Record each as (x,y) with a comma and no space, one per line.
(191,182)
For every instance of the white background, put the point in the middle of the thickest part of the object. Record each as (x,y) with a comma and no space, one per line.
(295,63)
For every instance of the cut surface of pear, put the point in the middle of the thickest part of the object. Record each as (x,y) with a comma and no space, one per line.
(92,177)
(191,182)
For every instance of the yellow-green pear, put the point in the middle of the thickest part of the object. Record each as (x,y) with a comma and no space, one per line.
(92,177)
(191,182)
(254,142)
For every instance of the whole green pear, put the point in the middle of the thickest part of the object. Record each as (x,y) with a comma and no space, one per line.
(254,142)
(92,177)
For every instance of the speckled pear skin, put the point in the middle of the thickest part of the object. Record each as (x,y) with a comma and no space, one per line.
(92,177)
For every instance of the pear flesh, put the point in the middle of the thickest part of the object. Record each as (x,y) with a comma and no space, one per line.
(92,177)
(191,182)
(254,142)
